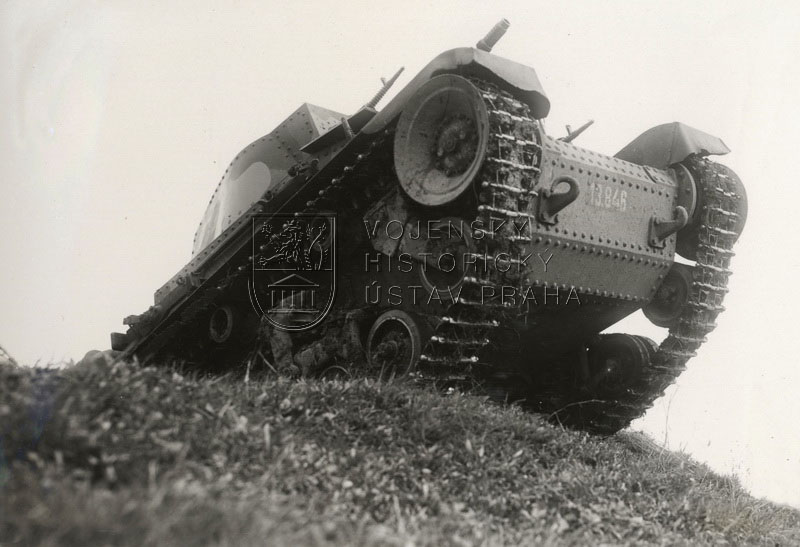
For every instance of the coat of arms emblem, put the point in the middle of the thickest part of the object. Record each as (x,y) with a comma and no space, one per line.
(293,281)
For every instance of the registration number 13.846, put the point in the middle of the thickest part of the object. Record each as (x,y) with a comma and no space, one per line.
(608,197)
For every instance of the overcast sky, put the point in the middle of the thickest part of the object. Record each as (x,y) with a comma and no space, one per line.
(118,118)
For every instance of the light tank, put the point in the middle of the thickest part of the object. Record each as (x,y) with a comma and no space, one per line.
(450,237)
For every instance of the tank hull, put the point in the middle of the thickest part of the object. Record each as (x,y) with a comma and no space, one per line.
(553,244)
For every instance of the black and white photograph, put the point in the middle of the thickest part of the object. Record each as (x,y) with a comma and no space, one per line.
(393,273)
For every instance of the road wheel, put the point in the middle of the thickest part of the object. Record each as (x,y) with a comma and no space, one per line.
(395,343)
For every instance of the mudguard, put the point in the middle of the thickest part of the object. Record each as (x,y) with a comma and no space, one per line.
(468,61)
(669,143)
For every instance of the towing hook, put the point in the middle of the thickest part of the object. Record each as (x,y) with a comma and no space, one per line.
(661,229)
(550,202)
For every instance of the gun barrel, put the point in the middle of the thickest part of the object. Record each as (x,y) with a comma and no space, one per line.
(493,36)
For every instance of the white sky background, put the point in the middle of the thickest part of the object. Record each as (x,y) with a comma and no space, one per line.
(118,118)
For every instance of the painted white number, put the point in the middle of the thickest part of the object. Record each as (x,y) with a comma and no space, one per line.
(608,197)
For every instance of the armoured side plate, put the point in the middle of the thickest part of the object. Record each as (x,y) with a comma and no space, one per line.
(601,240)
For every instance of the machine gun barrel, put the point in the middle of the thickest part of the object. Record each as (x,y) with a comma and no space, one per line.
(493,36)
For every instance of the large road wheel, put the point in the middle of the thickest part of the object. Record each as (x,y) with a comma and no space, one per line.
(441,140)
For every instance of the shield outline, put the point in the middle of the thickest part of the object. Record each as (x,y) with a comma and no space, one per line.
(257,221)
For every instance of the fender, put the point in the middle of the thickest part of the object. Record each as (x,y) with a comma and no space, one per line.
(467,61)
(669,143)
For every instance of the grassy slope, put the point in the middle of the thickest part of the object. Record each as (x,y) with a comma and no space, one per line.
(96,454)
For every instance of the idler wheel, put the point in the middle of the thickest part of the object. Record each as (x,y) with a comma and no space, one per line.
(395,342)
(666,307)
(616,362)
(440,141)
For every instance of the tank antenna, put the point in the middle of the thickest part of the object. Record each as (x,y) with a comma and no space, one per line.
(386,85)
(493,36)
(572,135)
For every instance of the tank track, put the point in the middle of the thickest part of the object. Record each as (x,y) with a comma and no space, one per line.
(464,345)
(716,237)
